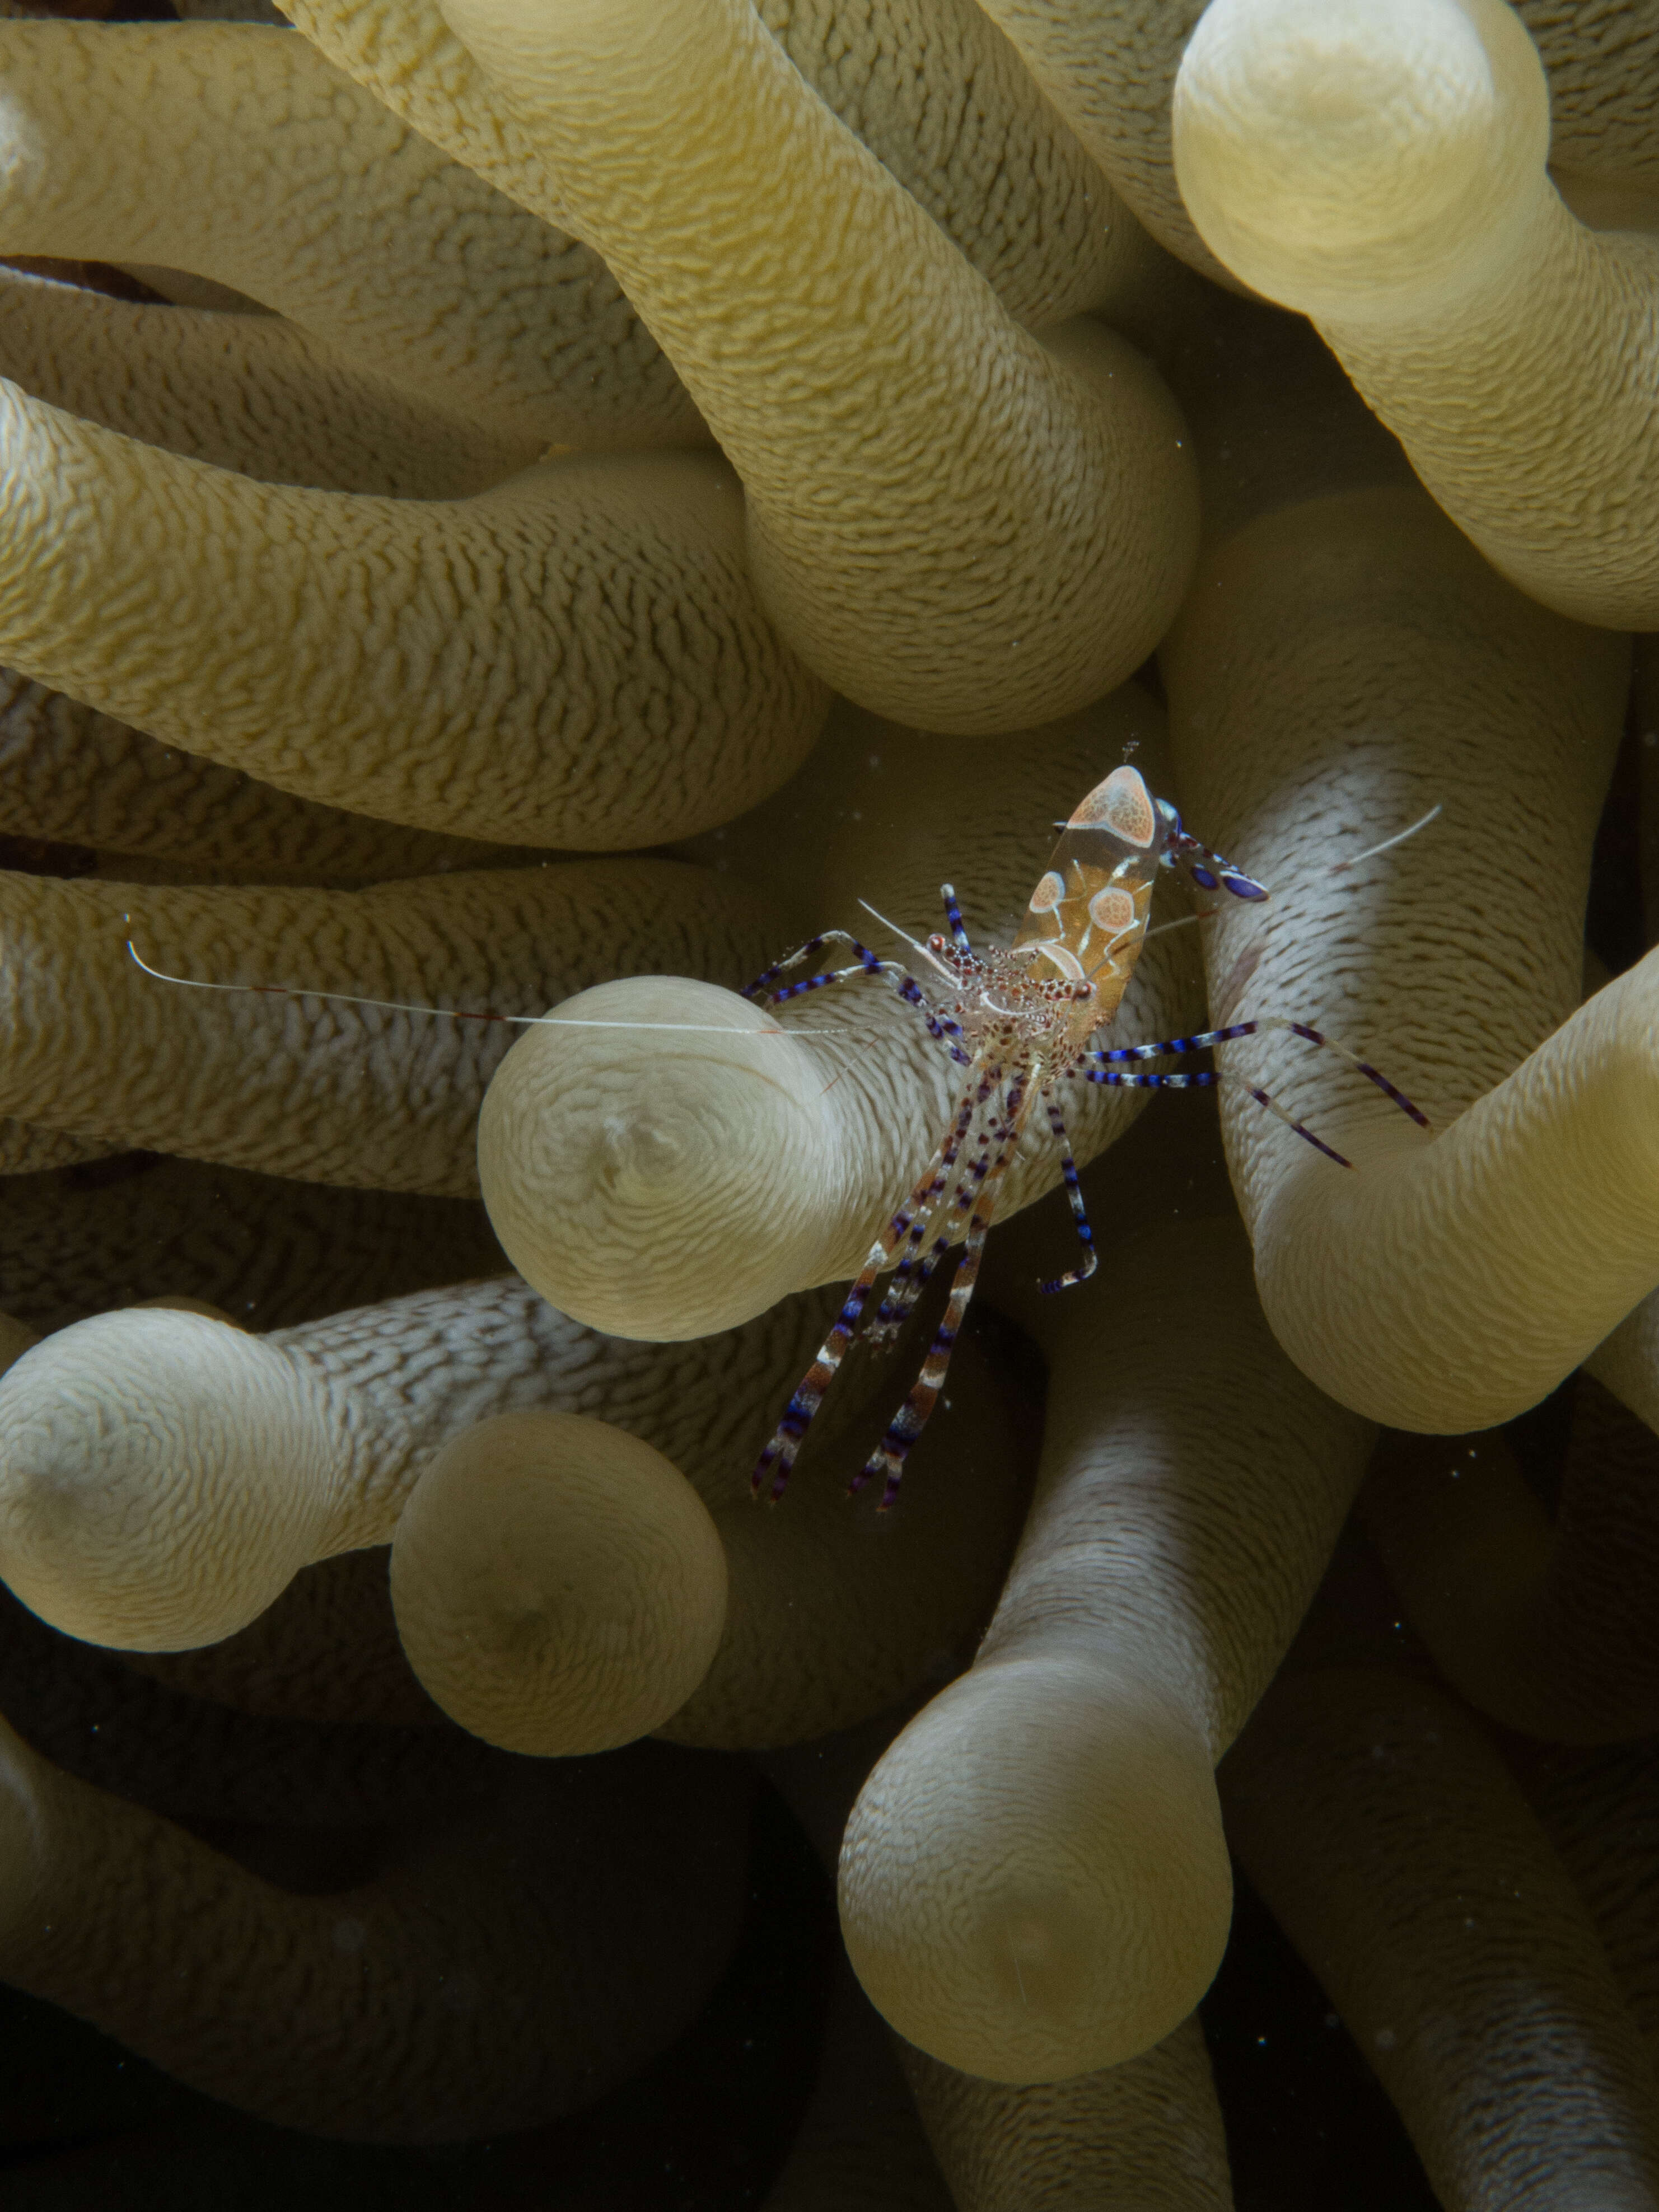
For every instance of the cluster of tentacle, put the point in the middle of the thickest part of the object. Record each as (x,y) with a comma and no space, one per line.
(523,510)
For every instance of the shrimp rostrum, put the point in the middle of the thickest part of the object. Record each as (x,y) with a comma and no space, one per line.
(1021,1021)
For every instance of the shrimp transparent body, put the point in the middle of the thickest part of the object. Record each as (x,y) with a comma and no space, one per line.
(1021,1021)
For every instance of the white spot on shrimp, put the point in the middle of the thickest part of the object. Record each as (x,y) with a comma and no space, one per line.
(1065,960)
(1122,803)
(1049,893)
(1112,910)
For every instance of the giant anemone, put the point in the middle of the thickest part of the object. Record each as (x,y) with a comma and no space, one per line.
(512,507)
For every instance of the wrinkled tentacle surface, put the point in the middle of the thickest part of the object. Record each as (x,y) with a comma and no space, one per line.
(1361,631)
(434,282)
(127,1226)
(365,1095)
(1065,497)
(1392,1845)
(931,89)
(1108,66)
(1144,2137)
(76,777)
(254,1456)
(1545,1625)
(330,2012)
(535,707)
(1600,1809)
(95,1716)
(365,544)
(254,393)
(1383,171)
(1068,1922)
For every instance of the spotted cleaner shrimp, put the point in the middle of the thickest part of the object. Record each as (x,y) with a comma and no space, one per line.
(1021,1021)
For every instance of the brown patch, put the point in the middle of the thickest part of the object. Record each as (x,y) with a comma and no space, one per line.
(39,856)
(116,1166)
(1231,990)
(90,277)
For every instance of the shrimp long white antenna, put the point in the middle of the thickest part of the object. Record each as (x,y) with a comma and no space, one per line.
(905,938)
(1181,921)
(454,1013)
(1388,844)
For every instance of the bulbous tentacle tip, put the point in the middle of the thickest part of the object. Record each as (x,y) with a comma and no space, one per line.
(1033,1883)
(559,1587)
(1334,154)
(663,1159)
(161,1477)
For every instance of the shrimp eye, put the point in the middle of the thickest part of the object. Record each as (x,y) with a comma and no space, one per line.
(936,943)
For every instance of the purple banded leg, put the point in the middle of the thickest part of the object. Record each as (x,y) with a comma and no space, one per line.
(1300,1128)
(921,1275)
(911,1271)
(872,965)
(890,1454)
(948,1034)
(789,1434)
(899,1296)
(953,917)
(1202,1040)
(912,1276)
(864,960)
(1208,1078)
(898,1306)
(1000,1131)
(1074,1193)
(1200,1078)
(767,991)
